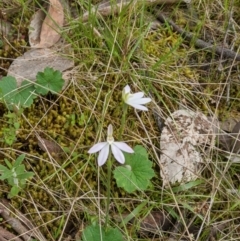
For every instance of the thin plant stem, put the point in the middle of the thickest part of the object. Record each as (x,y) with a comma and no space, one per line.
(109,170)
(123,120)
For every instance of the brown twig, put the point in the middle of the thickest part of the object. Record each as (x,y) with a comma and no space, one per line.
(106,8)
(26,232)
(221,51)
(5,235)
(13,222)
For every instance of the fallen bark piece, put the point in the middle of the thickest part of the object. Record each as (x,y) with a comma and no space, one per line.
(35,28)
(185,137)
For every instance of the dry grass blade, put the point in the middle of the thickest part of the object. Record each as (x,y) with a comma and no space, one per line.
(22,226)
(5,27)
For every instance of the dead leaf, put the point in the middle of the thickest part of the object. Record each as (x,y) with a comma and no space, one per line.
(155,223)
(49,146)
(216,229)
(236,138)
(229,123)
(51,26)
(35,27)
(184,232)
(230,142)
(36,60)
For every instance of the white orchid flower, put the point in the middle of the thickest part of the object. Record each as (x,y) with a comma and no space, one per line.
(135,100)
(116,148)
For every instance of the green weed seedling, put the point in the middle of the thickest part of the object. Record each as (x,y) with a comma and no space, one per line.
(10,132)
(13,96)
(95,232)
(49,80)
(15,174)
(16,98)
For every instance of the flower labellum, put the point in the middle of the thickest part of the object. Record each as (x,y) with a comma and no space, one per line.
(116,148)
(135,100)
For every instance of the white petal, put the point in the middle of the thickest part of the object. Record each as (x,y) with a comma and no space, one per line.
(97,147)
(126,89)
(123,146)
(139,107)
(135,96)
(140,101)
(103,155)
(117,154)
(110,131)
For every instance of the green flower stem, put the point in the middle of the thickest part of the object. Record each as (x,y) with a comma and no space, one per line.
(123,120)
(109,169)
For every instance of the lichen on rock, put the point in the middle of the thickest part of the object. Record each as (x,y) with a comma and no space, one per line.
(184,138)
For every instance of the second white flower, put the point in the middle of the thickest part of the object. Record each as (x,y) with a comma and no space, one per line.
(135,100)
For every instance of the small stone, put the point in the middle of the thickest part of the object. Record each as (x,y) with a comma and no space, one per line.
(33,61)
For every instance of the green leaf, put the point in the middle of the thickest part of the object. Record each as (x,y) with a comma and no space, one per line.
(3,168)
(141,150)
(186,186)
(13,95)
(19,160)
(49,80)
(16,125)
(134,213)
(97,233)
(25,175)
(14,191)
(16,175)
(81,120)
(9,138)
(8,163)
(7,174)
(24,96)
(13,181)
(19,169)
(136,173)
(8,85)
